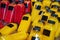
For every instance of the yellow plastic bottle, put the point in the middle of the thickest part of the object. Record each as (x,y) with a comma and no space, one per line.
(36,9)
(36,31)
(49,30)
(8,29)
(25,23)
(54,16)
